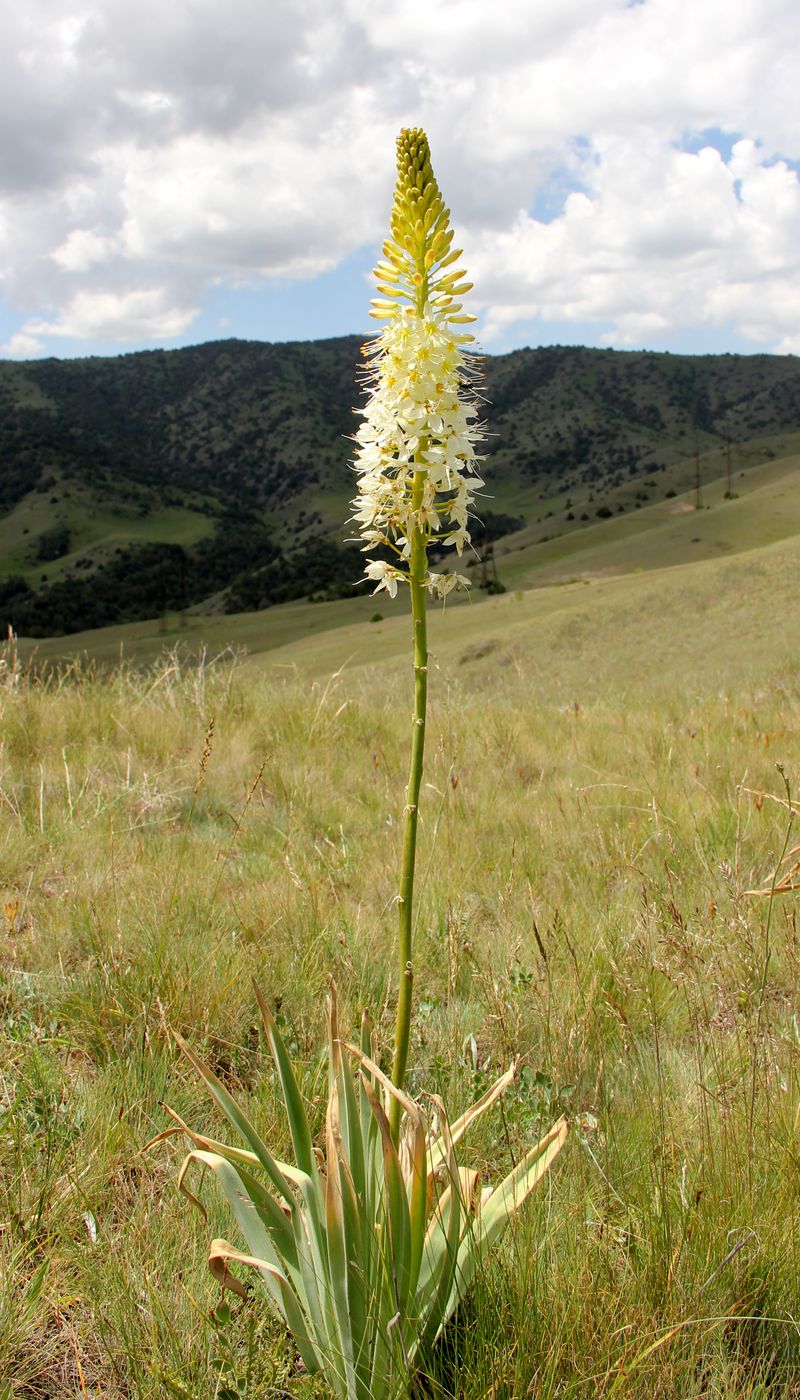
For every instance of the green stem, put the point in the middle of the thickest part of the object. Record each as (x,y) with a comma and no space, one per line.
(417,573)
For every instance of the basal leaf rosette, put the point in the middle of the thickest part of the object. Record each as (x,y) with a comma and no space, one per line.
(364,1249)
(416,448)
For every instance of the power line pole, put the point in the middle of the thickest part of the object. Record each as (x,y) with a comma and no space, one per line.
(699,417)
(489,575)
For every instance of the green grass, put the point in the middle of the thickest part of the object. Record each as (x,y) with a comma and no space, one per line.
(610,636)
(765,508)
(600,793)
(97,526)
(667,537)
(764,470)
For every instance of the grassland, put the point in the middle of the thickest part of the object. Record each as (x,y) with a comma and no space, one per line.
(602,570)
(95,526)
(601,795)
(193,470)
(764,507)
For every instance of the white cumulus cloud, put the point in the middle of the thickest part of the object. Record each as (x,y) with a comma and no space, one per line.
(116,316)
(659,238)
(630,167)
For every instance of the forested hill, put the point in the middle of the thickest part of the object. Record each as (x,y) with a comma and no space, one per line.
(158,480)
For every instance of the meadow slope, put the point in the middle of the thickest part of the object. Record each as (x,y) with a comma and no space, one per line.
(665,591)
(206,477)
(601,797)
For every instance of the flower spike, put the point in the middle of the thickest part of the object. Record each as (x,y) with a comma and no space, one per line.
(416,458)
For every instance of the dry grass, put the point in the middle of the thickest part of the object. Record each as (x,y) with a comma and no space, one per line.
(582,903)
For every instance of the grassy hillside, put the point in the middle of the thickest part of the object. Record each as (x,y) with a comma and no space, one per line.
(603,636)
(89,526)
(192,797)
(730,552)
(673,530)
(167,480)
(600,795)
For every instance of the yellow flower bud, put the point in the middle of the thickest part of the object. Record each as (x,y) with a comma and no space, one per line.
(452,257)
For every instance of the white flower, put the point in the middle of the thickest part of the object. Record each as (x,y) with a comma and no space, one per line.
(442,584)
(385,576)
(416,448)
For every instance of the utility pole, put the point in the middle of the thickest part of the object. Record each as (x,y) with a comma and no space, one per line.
(699,419)
(489,578)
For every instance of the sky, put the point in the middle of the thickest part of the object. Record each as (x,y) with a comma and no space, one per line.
(620,173)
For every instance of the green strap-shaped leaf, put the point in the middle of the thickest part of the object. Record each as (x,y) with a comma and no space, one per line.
(239,1121)
(225,1149)
(295,1109)
(507,1199)
(418,1204)
(235,1190)
(351,1128)
(434,1258)
(386,1345)
(437,1308)
(397,1215)
(362,1276)
(221,1254)
(312,1287)
(312,1241)
(370,1136)
(338,1252)
(417,1184)
(297,1324)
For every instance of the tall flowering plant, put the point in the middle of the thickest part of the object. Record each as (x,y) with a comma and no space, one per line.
(366,1242)
(415,459)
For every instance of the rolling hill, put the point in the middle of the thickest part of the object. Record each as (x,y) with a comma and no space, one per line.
(215,479)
